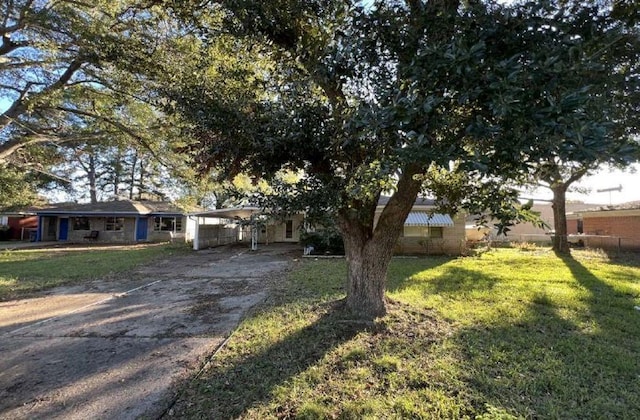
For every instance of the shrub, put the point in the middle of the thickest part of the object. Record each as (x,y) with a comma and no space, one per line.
(326,241)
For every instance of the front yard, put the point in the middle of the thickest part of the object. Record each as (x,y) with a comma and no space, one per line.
(23,272)
(508,333)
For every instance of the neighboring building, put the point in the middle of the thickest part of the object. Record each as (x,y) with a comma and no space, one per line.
(609,226)
(18,225)
(114,221)
(527,232)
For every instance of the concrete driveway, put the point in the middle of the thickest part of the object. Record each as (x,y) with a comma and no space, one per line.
(119,348)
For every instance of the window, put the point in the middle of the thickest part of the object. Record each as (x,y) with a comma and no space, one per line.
(435,232)
(114,223)
(288,234)
(415,231)
(81,223)
(580,226)
(167,224)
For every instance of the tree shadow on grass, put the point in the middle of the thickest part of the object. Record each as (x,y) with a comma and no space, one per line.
(230,387)
(557,360)
(449,280)
(612,309)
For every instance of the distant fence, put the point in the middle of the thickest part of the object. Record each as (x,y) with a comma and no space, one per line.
(608,243)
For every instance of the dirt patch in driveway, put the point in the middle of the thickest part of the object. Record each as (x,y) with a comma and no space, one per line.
(117,349)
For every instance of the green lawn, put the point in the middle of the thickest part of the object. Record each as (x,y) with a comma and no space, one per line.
(505,334)
(23,272)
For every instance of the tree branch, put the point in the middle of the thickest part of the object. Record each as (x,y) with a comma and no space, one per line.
(19,106)
(8,45)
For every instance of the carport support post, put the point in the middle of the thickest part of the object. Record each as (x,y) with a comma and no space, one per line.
(254,234)
(196,235)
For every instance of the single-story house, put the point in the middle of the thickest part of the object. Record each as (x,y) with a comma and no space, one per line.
(114,221)
(18,225)
(607,226)
(425,232)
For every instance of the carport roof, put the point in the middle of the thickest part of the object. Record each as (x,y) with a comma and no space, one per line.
(243,212)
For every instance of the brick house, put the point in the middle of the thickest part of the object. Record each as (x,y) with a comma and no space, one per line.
(608,226)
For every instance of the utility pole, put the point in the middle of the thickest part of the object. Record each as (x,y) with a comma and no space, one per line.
(609,190)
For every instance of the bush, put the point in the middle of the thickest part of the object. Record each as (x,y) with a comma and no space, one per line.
(325,241)
(5,232)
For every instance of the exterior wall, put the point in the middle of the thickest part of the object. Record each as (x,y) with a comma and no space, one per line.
(572,226)
(609,243)
(476,234)
(623,226)
(276,231)
(612,229)
(280,229)
(127,234)
(214,235)
(167,236)
(452,241)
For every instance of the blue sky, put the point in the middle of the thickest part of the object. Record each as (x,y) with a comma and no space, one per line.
(630,183)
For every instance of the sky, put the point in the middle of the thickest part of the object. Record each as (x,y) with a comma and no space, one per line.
(604,179)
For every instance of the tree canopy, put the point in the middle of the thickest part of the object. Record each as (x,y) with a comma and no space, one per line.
(365,99)
(71,73)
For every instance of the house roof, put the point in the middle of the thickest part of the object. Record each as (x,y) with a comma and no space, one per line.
(118,207)
(631,205)
(420,201)
(426,219)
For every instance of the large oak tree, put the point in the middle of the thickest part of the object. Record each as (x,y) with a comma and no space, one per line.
(363,100)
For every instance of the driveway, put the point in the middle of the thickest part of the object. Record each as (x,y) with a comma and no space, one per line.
(119,348)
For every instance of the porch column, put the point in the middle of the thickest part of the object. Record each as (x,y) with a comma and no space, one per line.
(254,235)
(196,235)
(39,229)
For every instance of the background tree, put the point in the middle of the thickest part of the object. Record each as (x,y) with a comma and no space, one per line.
(69,73)
(578,73)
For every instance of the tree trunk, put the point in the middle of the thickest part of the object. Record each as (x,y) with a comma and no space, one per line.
(91,177)
(369,246)
(560,243)
(367,264)
(132,174)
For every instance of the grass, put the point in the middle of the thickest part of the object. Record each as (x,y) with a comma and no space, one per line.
(506,334)
(23,272)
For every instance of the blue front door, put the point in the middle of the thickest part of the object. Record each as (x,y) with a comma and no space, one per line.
(64,229)
(141,229)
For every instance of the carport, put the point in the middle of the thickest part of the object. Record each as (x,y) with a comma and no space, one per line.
(246,215)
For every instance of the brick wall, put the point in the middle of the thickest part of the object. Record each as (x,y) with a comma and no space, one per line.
(622,226)
(572,227)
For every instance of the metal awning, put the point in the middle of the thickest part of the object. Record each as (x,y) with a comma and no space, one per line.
(426,219)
